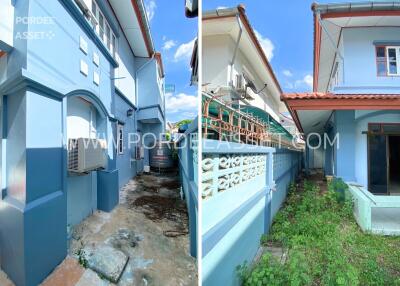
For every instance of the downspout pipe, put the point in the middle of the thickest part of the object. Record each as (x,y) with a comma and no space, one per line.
(334,45)
(329,36)
(236,49)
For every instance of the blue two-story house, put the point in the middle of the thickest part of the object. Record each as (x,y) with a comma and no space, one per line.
(71,71)
(351,120)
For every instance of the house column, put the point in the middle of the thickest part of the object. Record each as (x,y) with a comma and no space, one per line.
(345,145)
(328,169)
(33,215)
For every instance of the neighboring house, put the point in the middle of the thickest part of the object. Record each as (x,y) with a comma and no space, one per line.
(68,70)
(245,180)
(237,68)
(356,99)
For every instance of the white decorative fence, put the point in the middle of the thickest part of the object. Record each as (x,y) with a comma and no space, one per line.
(242,187)
(221,172)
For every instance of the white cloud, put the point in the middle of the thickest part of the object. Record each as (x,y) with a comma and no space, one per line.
(266,44)
(306,81)
(184,51)
(189,115)
(287,73)
(181,102)
(169,44)
(221,7)
(150,9)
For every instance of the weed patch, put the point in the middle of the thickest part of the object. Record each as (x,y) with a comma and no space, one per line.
(325,245)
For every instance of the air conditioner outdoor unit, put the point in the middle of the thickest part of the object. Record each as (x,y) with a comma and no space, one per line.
(240,83)
(85,154)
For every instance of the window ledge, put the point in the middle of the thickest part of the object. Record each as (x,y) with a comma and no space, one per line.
(80,18)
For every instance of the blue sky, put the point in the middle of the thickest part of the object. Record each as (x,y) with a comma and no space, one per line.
(285,30)
(173,36)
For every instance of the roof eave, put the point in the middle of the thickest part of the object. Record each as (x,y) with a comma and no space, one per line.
(241,12)
(140,11)
(326,11)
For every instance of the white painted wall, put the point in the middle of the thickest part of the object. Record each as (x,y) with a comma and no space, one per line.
(81,119)
(217,55)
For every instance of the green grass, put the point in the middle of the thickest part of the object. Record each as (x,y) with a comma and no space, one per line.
(325,245)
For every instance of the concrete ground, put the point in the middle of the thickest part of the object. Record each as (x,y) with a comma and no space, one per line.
(150,226)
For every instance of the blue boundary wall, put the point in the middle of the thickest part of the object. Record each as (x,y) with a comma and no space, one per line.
(287,165)
(188,158)
(235,218)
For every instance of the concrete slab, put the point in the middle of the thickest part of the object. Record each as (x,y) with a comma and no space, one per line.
(386,221)
(105,260)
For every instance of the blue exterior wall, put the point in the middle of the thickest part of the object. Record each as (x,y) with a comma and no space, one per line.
(127,164)
(360,72)
(287,164)
(362,118)
(39,199)
(188,159)
(345,147)
(231,234)
(348,158)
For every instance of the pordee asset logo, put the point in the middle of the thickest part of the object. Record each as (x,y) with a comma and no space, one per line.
(45,32)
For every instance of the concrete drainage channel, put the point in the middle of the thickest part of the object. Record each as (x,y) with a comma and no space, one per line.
(144,241)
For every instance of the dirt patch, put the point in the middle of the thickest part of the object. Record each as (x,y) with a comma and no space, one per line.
(318,178)
(157,208)
(158,197)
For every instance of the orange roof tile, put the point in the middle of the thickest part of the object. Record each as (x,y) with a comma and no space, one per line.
(322,95)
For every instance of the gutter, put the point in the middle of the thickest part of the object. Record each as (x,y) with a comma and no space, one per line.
(364,6)
(236,48)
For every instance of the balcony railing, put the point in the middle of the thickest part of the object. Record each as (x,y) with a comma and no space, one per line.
(227,122)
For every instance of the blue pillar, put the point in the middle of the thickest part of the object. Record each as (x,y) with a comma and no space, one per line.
(108,180)
(329,153)
(33,215)
(270,185)
(345,147)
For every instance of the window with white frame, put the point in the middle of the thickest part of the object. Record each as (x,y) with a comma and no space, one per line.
(120,139)
(103,30)
(393,60)
(388,60)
